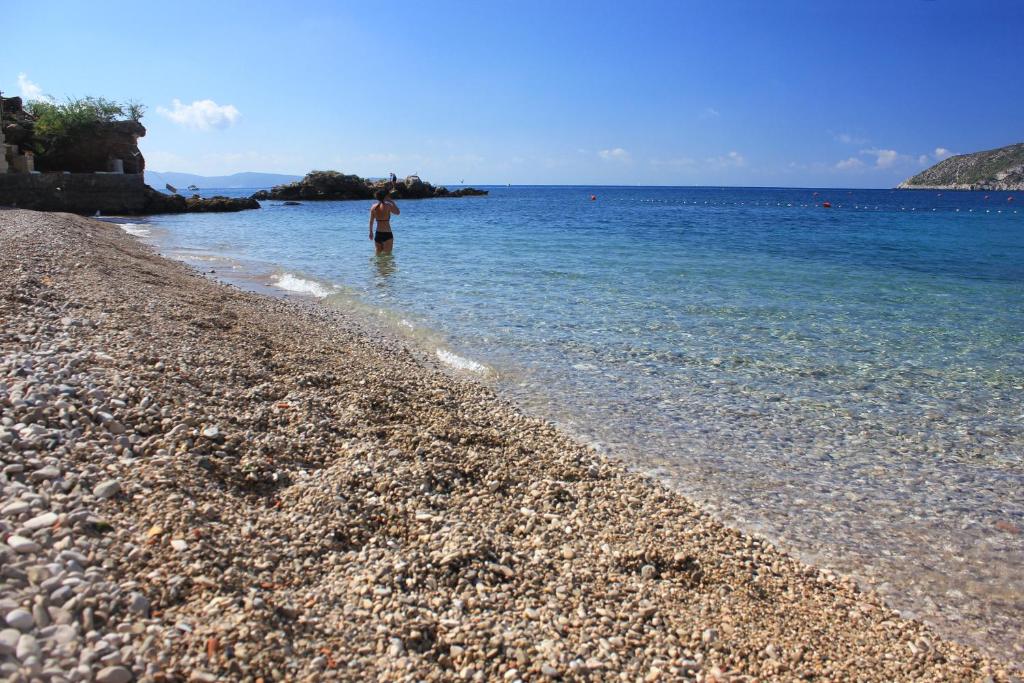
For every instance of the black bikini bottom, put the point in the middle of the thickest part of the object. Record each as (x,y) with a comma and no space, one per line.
(382,237)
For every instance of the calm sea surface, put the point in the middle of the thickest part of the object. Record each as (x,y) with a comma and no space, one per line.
(846,381)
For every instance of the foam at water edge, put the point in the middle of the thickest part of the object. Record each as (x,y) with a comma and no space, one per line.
(459,362)
(137,229)
(293,283)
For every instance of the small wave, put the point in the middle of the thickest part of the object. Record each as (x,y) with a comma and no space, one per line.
(459,362)
(294,283)
(137,229)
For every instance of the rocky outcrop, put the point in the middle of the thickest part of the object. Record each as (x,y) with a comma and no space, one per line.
(94,148)
(158,202)
(325,185)
(992,170)
(17,124)
(107,193)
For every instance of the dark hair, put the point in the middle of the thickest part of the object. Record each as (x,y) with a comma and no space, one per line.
(379,195)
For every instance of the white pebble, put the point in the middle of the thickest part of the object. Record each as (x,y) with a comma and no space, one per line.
(22,544)
(107,489)
(20,619)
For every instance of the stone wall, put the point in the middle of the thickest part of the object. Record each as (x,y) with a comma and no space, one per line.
(83,193)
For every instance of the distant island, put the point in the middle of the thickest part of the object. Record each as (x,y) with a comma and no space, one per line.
(221,182)
(994,170)
(327,185)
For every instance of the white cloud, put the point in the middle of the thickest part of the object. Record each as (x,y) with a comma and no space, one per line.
(731,159)
(678,162)
(29,90)
(942,153)
(849,139)
(884,158)
(849,164)
(710,113)
(616,154)
(924,159)
(201,114)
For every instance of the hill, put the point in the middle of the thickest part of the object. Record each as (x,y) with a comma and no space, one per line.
(247,179)
(994,169)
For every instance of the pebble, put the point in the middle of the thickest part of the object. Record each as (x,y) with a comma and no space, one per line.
(22,544)
(20,619)
(27,646)
(114,674)
(107,489)
(41,521)
(139,604)
(364,517)
(9,640)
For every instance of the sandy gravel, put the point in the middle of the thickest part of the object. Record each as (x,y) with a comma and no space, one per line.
(205,484)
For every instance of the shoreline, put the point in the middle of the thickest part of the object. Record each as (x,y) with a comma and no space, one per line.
(285,477)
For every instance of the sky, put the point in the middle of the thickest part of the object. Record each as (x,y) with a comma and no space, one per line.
(818,93)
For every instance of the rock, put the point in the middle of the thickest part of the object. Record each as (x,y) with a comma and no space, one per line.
(158,202)
(179,544)
(332,185)
(40,521)
(64,634)
(114,674)
(9,640)
(22,544)
(212,433)
(45,473)
(20,619)
(107,489)
(709,636)
(15,508)
(40,615)
(27,646)
(91,149)
(139,605)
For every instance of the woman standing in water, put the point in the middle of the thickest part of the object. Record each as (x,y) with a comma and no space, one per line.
(381,212)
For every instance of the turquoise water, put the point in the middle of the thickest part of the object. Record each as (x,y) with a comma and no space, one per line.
(846,381)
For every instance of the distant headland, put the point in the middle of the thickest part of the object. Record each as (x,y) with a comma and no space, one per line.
(992,170)
(327,185)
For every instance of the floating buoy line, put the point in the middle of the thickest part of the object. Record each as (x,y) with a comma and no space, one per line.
(826,204)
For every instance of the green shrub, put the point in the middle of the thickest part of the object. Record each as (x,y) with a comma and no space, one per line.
(58,122)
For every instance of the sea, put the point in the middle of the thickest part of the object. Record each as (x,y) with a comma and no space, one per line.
(845,381)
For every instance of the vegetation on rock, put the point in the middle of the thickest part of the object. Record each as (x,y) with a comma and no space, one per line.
(335,185)
(994,169)
(58,124)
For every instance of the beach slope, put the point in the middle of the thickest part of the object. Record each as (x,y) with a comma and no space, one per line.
(200,482)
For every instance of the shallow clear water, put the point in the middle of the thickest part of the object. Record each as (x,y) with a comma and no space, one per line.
(845,380)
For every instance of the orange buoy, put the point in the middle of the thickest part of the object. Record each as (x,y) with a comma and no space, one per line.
(826,205)
(593,197)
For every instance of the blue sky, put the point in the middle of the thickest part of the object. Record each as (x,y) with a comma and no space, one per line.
(784,93)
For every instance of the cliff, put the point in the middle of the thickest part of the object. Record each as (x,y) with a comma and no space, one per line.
(993,170)
(334,185)
(85,147)
(76,145)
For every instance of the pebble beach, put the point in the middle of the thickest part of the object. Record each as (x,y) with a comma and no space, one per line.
(202,484)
